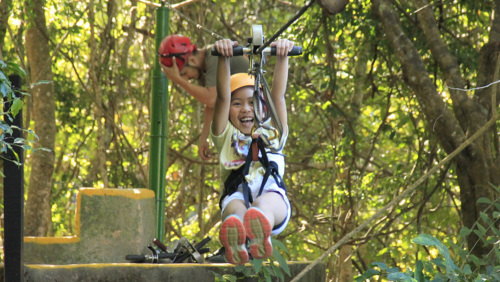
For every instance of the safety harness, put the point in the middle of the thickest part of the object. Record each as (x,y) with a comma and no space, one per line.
(237,176)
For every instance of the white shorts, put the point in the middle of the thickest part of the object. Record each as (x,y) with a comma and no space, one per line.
(270,186)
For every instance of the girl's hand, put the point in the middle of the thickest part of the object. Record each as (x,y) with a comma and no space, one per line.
(283,46)
(225,47)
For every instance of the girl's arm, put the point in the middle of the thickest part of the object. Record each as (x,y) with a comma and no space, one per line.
(223,100)
(280,80)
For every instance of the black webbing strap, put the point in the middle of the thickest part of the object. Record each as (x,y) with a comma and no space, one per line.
(237,177)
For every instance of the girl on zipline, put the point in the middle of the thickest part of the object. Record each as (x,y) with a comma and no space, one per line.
(253,205)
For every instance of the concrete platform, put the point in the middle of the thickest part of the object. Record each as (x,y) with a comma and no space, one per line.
(187,272)
(109,224)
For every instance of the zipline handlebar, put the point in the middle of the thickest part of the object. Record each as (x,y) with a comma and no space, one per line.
(240,51)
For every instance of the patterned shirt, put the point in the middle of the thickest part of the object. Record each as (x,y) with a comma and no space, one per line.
(233,147)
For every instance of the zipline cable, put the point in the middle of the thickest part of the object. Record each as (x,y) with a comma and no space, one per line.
(285,26)
(200,27)
(174,7)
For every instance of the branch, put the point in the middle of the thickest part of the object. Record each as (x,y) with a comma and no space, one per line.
(446,61)
(443,122)
(174,6)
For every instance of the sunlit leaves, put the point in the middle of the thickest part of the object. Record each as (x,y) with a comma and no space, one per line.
(357,133)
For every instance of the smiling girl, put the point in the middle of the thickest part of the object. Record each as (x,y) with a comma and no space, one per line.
(254,206)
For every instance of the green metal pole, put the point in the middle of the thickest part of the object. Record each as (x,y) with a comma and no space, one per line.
(159,126)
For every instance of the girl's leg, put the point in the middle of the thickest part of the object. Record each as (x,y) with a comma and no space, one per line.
(272,206)
(234,207)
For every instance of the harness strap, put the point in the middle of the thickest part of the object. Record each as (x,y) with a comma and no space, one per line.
(237,176)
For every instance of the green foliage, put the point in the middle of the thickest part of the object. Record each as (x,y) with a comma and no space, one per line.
(444,267)
(357,133)
(272,269)
(15,99)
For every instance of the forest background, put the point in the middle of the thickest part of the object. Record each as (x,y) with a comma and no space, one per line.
(384,91)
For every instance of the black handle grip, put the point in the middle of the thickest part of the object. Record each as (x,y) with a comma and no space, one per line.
(240,51)
(237,51)
(138,258)
(296,51)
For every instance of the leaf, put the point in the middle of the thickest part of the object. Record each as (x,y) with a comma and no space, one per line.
(428,240)
(277,271)
(480,231)
(16,106)
(267,275)
(257,264)
(3,77)
(475,260)
(425,239)
(16,69)
(31,132)
(483,200)
(464,232)
(217,276)
(467,270)
(383,251)
(6,129)
(279,245)
(439,262)
(367,275)
(282,261)
(381,265)
(392,269)
(26,147)
(419,275)
(239,268)
(400,276)
(5,89)
(486,219)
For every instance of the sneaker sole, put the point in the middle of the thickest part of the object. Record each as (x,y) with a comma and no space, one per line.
(258,231)
(233,237)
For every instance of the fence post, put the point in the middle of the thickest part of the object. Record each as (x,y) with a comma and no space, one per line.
(13,187)
(159,126)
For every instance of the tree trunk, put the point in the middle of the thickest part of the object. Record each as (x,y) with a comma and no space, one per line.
(5,8)
(38,207)
(451,128)
(100,57)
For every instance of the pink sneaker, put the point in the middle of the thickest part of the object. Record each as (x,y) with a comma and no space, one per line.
(259,232)
(233,237)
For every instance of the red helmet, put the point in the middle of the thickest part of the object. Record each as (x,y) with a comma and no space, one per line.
(178,46)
